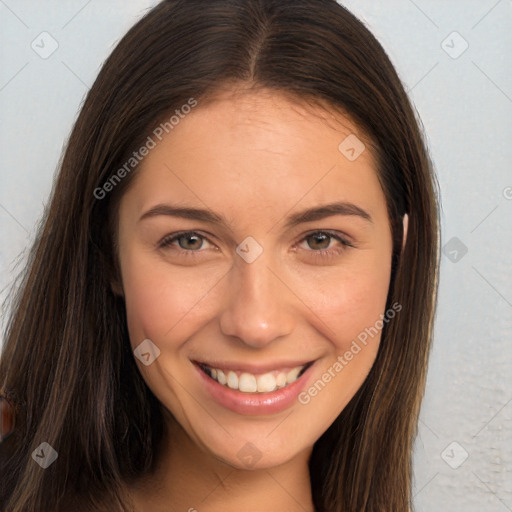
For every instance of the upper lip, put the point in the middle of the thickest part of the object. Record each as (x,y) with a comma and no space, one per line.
(252,367)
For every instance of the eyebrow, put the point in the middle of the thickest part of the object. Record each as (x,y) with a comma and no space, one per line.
(308,215)
(328,210)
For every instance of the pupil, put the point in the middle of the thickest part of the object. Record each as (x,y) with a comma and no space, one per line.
(319,239)
(196,242)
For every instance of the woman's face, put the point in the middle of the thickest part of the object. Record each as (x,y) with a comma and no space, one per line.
(254,243)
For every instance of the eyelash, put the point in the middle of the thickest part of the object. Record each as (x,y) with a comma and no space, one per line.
(329,253)
(322,253)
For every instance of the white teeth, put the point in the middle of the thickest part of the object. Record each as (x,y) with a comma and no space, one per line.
(249,383)
(292,375)
(221,377)
(281,380)
(266,383)
(232,380)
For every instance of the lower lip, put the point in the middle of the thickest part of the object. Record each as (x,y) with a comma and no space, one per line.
(254,403)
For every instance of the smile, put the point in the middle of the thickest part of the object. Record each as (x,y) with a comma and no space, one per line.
(246,382)
(250,389)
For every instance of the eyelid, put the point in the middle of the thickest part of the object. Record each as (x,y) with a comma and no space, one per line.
(337,235)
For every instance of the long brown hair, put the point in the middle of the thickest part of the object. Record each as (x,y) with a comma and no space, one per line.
(67,362)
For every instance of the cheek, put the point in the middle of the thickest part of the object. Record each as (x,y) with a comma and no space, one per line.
(351,307)
(347,301)
(157,300)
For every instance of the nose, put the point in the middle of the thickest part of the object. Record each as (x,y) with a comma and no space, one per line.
(259,307)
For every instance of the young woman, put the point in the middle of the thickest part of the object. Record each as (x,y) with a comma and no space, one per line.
(229,305)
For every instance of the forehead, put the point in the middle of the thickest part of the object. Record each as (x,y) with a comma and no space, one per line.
(260,151)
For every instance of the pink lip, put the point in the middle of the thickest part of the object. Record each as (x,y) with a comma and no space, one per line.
(254,403)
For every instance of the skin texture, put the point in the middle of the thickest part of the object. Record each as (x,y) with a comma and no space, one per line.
(254,158)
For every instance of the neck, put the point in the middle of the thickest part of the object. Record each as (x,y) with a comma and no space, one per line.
(189,479)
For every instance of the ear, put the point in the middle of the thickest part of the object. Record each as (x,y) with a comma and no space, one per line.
(406,226)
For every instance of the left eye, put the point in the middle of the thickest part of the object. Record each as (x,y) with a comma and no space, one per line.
(321,242)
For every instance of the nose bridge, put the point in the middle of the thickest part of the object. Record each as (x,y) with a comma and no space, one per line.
(258,309)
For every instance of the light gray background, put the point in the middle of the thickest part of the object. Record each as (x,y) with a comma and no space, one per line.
(466,107)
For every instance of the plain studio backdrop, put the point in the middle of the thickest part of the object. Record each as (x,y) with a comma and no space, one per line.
(455,59)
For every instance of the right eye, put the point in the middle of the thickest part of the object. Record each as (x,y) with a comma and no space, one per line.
(185,242)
